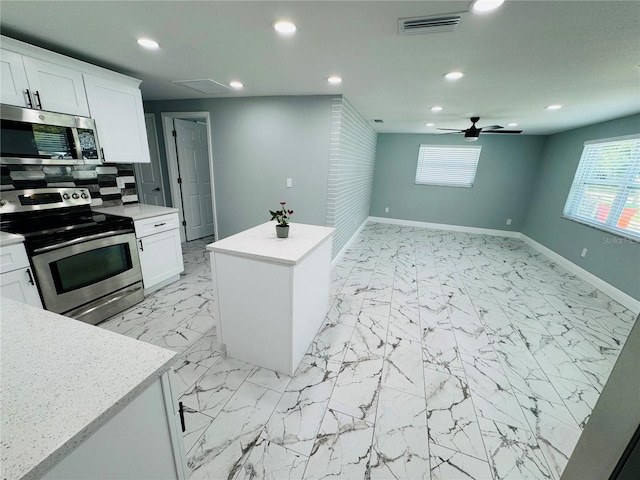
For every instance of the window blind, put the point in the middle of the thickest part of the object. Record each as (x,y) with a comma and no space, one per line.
(605,192)
(446,165)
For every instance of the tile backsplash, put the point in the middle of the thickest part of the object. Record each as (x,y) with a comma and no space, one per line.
(110,184)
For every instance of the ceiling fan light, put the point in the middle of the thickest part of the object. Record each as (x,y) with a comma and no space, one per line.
(470,139)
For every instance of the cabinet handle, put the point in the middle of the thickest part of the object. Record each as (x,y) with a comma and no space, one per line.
(29,100)
(141,247)
(38,100)
(157,189)
(160,224)
(181,410)
(102,151)
(30,277)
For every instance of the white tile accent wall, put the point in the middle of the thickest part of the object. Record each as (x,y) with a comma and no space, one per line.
(352,156)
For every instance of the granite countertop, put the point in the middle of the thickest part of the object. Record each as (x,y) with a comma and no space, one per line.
(261,243)
(63,379)
(7,239)
(137,211)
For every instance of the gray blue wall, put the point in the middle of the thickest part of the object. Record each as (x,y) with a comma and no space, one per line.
(613,259)
(259,142)
(502,189)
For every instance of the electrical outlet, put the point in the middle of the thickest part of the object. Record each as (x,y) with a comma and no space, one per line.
(508,221)
(386,209)
(584,252)
(289,182)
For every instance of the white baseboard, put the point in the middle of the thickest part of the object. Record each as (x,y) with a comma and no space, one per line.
(618,295)
(451,228)
(338,257)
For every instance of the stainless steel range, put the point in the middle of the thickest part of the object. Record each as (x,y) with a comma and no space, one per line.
(86,263)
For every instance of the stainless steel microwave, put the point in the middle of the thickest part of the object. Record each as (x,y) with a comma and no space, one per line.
(37,137)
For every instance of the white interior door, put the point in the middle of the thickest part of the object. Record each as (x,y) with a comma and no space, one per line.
(195,183)
(149,175)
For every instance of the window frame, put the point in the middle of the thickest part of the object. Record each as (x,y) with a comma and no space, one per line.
(422,158)
(622,191)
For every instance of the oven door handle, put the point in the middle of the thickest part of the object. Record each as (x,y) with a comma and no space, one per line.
(75,241)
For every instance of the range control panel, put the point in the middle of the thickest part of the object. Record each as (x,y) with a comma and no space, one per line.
(14,201)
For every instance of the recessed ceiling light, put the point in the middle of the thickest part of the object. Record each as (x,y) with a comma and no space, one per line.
(454,75)
(429,125)
(236,85)
(482,6)
(148,43)
(512,124)
(284,27)
(553,107)
(334,80)
(436,109)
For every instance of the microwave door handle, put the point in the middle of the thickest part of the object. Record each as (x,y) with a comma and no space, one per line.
(75,241)
(29,99)
(36,95)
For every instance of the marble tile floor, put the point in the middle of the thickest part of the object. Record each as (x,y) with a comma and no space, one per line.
(444,355)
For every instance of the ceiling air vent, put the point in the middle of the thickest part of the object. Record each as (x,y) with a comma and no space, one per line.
(205,86)
(433,24)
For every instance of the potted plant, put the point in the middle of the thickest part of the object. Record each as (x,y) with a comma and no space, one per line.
(282,217)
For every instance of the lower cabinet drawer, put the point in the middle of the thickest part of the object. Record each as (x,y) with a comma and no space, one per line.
(162,223)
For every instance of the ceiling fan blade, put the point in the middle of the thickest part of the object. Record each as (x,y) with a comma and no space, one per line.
(502,131)
(452,129)
(492,127)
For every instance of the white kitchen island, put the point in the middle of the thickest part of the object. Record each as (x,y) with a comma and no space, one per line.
(272,293)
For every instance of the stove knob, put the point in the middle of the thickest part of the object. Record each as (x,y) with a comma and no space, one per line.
(75,196)
(84,195)
(66,196)
(2,203)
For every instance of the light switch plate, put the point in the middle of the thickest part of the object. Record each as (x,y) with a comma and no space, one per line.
(289,182)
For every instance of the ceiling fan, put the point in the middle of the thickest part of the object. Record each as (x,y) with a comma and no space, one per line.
(472,133)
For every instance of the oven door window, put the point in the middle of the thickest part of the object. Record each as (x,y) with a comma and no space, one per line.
(88,268)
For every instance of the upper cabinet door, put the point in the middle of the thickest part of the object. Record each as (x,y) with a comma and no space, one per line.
(13,85)
(56,88)
(117,110)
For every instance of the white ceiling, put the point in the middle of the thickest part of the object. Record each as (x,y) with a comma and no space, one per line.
(584,55)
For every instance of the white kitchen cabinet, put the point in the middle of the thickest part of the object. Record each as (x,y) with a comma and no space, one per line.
(16,280)
(117,109)
(159,250)
(35,83)
(142,441)
(67,85)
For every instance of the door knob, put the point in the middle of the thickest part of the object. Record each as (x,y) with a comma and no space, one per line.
(157,189)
